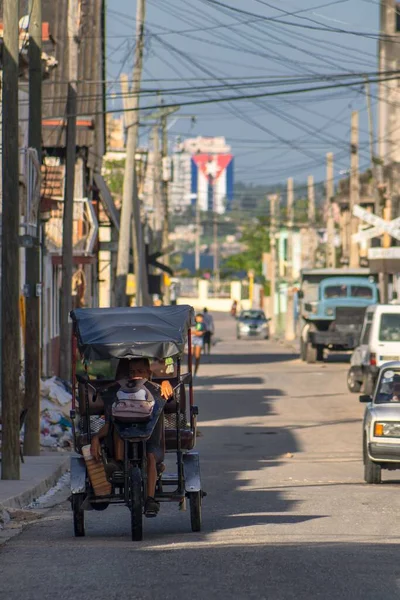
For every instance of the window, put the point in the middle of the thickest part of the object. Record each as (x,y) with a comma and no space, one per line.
(389,388)
(361,291)
(366,334)
(336,291)
(253,314)
(389,330)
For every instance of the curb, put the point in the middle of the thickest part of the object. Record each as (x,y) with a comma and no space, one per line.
(27,496)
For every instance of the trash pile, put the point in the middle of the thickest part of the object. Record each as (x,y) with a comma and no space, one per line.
(55,404)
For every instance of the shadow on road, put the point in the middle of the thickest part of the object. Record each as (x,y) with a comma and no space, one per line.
(301,571)
(236,438)
(252,359)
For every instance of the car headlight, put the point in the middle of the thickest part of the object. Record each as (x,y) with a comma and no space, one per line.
(330,312)
(387,429)
(244,327)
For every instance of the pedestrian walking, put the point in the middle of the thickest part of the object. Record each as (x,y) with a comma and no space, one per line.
(198,341)
(209,332)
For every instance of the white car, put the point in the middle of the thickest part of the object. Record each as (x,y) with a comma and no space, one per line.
(381,426)
(379,344)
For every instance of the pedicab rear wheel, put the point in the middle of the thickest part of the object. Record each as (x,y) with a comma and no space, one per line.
(136,504)
(195,510)
(79,515)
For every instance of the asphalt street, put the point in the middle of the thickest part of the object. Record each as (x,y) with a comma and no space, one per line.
(287,515)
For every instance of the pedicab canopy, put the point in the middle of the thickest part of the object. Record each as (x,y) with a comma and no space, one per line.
(152,332)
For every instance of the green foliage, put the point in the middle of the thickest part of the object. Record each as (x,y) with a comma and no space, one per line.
(114,176)
(256,239)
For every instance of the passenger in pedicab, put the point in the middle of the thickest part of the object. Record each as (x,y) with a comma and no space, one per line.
(130,370)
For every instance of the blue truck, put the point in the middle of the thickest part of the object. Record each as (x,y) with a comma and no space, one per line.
(332,307)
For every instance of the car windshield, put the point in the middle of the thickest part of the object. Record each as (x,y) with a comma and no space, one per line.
(389,387)
(252,314)
(361,291)
(389,329)
(336,291)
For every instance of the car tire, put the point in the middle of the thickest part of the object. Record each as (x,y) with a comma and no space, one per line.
(303,350)
(320,353)
(368,384)
(238,336)
(311,353)
(353,384)
(372,471)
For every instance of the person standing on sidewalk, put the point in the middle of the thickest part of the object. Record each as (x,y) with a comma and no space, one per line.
(210,329)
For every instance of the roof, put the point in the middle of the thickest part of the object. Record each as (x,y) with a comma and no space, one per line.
(153,332)
(332,272)
(91,85)
(348,281)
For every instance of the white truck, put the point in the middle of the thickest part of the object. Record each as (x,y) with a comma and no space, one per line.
(379,344)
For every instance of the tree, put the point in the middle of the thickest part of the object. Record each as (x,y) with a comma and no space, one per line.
(255,238)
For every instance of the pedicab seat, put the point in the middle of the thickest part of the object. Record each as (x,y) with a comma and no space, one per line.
(188,436)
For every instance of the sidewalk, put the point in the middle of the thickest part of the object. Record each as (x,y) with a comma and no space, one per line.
(38,475)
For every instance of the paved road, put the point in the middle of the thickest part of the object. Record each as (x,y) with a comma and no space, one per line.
(287,514)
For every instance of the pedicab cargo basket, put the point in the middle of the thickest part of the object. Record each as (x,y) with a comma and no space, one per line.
(101,338)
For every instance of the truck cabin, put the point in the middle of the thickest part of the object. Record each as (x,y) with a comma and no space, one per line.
(332,293)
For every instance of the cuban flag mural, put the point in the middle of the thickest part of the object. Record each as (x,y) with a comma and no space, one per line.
(212,181)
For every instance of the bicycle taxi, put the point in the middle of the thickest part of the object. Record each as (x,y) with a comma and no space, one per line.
(102,339)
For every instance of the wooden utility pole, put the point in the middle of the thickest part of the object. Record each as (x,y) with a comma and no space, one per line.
(290,329)
(69,193)
(215,233)
(32,328)
(198,234)
(311,201)
(165,191)
(330,228)
(273,203)
(130,211)
(309,254)
(354,188)
(10,331)
(157,191)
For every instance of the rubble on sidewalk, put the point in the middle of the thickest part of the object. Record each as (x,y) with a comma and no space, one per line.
(4,517)
(55,406)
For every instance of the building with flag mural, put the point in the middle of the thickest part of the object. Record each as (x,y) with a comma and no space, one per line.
(203,172)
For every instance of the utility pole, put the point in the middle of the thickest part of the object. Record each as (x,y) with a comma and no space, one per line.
(165,190)
(330,228)
(354,189)
(215,233)
(376,170)
(290,329)
(311,201)
(273,202)
(33,267)
(198,233)
(312,246)
(10,331)
(157,178)
(130,211)
(69,193)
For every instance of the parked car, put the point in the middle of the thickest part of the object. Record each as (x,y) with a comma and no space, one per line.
(379,344)
(381,425)
(252,323)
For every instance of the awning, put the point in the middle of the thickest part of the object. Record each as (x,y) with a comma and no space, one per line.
(107,200)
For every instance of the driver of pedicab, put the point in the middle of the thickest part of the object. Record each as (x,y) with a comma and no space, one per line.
(130,370)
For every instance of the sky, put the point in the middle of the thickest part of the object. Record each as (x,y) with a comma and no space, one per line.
(249,47)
